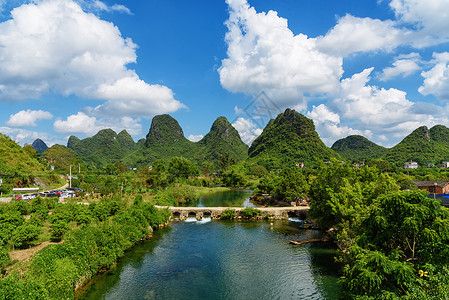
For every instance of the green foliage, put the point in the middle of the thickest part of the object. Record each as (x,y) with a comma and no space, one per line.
(4,259)
(289,139)
(58,229)
(166,140)
(259,170)
(358,148)
(15,159)
(228,214)
(403,239)
(423,146)
(25,235)
(180,167)
(105,147)
(61,158)
(340,191)
(250,212)
(235,176)
(57,269)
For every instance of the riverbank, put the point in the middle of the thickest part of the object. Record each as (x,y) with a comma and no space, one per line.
(110,228)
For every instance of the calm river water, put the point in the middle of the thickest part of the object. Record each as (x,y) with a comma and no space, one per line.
(222,260)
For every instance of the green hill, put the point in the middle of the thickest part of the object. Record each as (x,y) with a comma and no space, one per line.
(358,148)
(165,139)
(422,145)
(61,158)
(103,148)
(288,139)
(15,159)
(223,138)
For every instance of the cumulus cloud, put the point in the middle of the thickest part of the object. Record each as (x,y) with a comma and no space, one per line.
(22,136)
(55,46)
(28,118)
(353,34)
(328,125)
(428,17)
(403,66)
(82,123)
(195,138)
(247,130)
(264,55)
(372,105)
(436,80)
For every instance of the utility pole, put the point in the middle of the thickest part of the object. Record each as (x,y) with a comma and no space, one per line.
(70,177)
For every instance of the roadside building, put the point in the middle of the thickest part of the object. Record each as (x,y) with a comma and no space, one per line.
(433,187)
(411,165)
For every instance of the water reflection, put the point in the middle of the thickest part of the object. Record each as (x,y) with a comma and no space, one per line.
(232,198)
(223,260)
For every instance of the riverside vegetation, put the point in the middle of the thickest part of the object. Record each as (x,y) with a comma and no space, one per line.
(393,240)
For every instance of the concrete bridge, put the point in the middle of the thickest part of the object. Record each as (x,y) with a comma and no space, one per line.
(277,213)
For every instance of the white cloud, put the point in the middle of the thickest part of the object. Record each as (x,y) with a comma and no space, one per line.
(82,123)
(401,67)
(328,125)
(22,136)
(195,138)
(54,46)
(353,34)
(373,106)
(134,97)
(428,17)
(28,118)
(264,55)
(79,123)
(100,5)
(436,80)
(247,130)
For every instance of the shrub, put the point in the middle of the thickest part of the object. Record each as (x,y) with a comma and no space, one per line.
(228,214)
(250,212)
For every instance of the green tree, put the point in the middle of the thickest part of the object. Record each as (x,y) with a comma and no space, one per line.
(25,235)
(180,167)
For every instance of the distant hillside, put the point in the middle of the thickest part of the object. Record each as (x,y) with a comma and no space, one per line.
(358,148)
(39,145)
(288,139)
(166,139)
(61,158)
(103,148)
(15,159)
(422,145)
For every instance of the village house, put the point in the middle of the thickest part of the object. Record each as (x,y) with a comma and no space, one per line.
(433,187)
(445,164)
(411,165)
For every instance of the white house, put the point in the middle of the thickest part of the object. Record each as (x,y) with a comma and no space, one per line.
(411,165)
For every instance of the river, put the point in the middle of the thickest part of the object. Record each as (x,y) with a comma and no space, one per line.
(222,260)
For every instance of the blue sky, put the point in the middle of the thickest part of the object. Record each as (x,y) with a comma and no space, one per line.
(73,67)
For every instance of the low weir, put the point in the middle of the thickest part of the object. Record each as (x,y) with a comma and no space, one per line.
(276,213)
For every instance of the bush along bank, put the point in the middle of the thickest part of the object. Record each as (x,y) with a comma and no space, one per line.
(111,228)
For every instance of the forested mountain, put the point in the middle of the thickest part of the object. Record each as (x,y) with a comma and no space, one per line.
(15,159)
(223,138)
(288,139)
(166,139)
(358,148)
(39,145)
(105,147)
(422,145)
